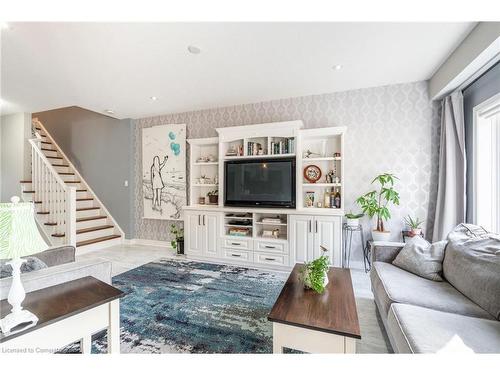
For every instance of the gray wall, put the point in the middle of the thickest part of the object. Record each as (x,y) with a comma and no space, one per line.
(15,153)
(389,129)
(480,90)
(100,147)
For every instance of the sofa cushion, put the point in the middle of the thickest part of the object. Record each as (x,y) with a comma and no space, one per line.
(422,258)
(30,264)
(393,285)
(415,329)
(472,265)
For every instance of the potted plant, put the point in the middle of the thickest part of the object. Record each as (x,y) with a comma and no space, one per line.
(213,196)
(177,240)
(353,219)
(376,202)
(414,225)
(314,274)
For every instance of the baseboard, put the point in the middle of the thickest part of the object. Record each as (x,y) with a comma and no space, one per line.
(141,241)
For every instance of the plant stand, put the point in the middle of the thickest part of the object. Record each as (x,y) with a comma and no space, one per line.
(348,234)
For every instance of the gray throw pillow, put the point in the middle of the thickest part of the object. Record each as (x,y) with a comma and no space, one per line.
(31,264)
(420,257)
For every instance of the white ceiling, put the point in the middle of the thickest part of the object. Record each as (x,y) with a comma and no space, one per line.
(121,65)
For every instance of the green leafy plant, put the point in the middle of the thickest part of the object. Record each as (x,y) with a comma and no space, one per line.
(213,192)
(375,202)
(413,223)
(350,215)
(313,273)
(177,234)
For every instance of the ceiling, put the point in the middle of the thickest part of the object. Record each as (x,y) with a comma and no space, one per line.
(120,66)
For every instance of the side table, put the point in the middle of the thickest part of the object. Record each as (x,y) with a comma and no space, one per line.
(67,313)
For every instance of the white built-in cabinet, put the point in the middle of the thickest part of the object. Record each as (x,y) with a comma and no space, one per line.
(308,233)
(202,233)
(301,231)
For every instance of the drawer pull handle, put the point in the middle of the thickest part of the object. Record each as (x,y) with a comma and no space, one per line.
(235,243)
(269,259)
(235,255)
(270,247)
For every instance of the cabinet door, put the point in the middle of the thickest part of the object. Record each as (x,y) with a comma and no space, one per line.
(210,223)
(193,233)
(301,238)
(327,233)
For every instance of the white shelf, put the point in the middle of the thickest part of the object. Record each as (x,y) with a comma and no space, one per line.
(326,158)
(275,156)
(322,184)
(207,163)
(202,185)
(239,226)
(279,224)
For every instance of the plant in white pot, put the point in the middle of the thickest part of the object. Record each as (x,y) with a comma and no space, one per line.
(314,274)
(376,202)
(352,220)
(414,225)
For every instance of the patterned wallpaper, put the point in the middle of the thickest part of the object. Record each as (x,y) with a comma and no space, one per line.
(389,129)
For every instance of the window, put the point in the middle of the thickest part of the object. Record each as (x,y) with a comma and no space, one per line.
(486,164)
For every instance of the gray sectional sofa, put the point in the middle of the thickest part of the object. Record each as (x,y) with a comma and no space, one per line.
(62,267)
(460,313)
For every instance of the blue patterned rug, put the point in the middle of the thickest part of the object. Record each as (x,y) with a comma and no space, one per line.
(174,306)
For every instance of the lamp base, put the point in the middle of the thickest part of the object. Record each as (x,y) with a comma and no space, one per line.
(15,319)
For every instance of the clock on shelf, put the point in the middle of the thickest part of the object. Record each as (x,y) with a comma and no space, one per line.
(312,173)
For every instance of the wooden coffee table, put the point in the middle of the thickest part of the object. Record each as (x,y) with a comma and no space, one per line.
(67,312)
(316,323)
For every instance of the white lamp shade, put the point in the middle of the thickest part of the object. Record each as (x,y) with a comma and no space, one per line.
(19,235)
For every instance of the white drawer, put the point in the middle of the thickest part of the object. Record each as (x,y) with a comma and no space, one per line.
(240,255)
(263,258)
(236,243)
(271,247)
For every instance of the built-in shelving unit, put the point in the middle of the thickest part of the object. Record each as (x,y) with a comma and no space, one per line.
(203,162)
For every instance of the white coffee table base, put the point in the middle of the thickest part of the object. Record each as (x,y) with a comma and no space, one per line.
(79,327)
(310,341)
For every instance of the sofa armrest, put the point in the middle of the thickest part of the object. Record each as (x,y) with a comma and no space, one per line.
(46,277)
(57,255)
(385,251)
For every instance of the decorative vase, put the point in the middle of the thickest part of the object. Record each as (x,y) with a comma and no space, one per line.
(415,232)
(352,223)
(381,236)
(180,247)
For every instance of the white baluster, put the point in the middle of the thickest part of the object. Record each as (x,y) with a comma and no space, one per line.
(71,215)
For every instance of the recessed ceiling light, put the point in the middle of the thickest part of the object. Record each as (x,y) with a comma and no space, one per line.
(154,98)
(109,111)
(337,67)
(194,50)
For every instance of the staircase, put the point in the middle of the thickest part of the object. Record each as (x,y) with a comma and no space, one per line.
(66,208)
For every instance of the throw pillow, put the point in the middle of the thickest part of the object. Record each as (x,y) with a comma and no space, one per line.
(420,257)
(31,264)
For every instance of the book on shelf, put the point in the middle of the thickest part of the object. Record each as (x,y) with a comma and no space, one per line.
(284,146)
(271,220)
(239,232)
(253,148)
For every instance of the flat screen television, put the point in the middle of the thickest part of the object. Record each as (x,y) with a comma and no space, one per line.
(260,182)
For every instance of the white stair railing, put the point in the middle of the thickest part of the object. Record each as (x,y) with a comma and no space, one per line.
(56,197)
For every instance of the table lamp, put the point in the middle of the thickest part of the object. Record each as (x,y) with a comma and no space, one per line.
(19,236)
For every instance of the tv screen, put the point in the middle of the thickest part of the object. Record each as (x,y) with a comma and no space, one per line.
(260,182)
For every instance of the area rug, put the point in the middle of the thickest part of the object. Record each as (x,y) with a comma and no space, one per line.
(174,306)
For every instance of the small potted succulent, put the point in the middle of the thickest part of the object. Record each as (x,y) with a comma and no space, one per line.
(177,240)
(314,274)
(352,220)
(414,225)
(213,196)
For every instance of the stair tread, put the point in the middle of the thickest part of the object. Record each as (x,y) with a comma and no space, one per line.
(91,218)
(29,191)
(60,165)
(87,208)
(80,190)
(84,199)
(43,212)
(96,240)
(49,223)
(66,173)
(25,181)
(48,149)
(46,142)
(92,229)
(54,157)
(72,182)
(59,235)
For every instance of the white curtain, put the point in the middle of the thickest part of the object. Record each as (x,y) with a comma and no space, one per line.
(450,205)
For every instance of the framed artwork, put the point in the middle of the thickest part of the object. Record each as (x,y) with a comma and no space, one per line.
(164,171)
